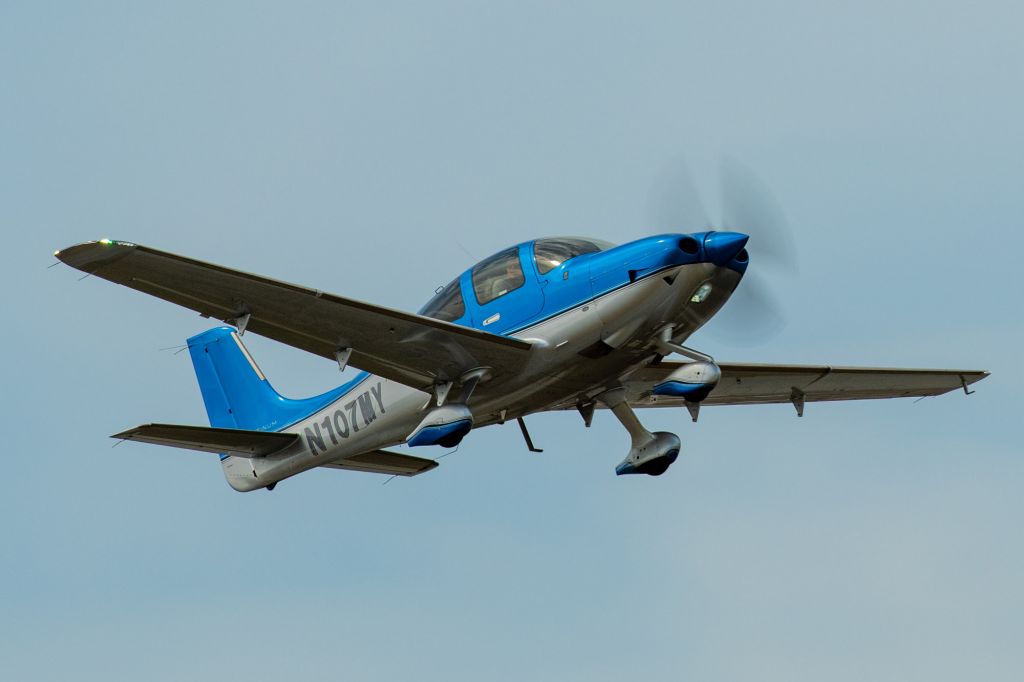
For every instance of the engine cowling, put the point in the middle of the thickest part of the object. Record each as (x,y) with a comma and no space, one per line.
(693,381)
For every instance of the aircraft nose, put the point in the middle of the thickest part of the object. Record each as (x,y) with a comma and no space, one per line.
(722,247)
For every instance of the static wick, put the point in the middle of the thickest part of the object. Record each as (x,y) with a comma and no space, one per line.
(450,453)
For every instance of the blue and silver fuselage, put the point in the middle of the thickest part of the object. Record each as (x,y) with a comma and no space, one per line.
(604,303)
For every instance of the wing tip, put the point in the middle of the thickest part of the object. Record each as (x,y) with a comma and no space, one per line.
(94,253)
(975,375)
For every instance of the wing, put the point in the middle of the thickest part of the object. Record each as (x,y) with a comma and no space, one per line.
(407,348)
(755,384)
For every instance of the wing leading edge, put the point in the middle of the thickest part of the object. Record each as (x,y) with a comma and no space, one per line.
(759,384)
(408,348)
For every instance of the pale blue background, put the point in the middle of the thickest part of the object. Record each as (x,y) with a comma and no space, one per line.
(376,149)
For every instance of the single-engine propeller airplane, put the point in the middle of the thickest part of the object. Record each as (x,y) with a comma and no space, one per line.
(560,323)
(563,323)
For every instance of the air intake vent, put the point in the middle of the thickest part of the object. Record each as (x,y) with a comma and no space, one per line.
(689,246)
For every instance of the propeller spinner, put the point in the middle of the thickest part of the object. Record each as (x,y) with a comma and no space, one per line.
(749,212)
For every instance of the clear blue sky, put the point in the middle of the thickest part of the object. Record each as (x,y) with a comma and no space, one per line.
(376,149)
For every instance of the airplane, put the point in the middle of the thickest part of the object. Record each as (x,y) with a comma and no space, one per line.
(560,323)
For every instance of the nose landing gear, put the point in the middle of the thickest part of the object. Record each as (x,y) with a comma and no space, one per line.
(650,453)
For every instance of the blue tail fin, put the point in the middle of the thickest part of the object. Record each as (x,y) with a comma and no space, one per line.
(237,395)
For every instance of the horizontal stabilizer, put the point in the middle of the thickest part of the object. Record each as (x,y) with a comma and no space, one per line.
(384,462)
(237,442)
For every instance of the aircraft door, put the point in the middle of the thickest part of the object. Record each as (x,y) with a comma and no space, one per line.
(563,270)
(505,297)
(565,285)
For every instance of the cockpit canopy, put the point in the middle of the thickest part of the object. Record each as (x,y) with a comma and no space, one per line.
(503,272)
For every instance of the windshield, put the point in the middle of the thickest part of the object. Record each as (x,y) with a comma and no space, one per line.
(447,305)
(550,253)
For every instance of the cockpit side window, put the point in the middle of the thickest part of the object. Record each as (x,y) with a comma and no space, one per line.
(550,253)
(498,275)
(447,305)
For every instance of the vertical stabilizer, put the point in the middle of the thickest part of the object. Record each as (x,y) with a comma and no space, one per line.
(237,394)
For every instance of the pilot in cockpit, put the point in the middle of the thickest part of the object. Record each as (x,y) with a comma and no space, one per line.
(508,281)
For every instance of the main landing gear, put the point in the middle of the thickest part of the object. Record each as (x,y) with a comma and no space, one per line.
(447,423)
(653,453)
(650,453)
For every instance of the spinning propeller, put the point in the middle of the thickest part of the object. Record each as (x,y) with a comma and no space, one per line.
(753,312)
